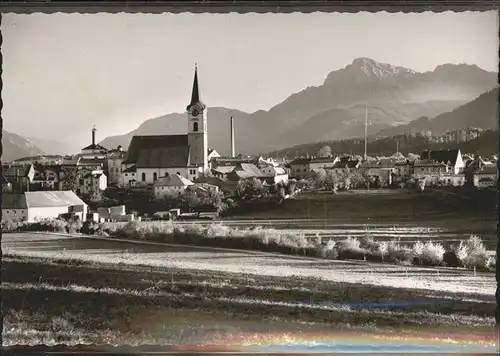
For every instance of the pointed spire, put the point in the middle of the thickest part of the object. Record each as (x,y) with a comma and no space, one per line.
(195,95)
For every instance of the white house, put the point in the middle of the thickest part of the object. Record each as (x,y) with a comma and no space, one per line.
(93,182)
(172,184)
(128,176)
(33,206)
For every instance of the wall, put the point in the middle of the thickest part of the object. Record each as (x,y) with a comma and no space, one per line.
(300,170)
(46,212)
(162,191)
(14,214)
(161,172)
(114,170)
(126,178)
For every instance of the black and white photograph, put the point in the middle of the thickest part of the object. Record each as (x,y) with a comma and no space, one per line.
(251,182)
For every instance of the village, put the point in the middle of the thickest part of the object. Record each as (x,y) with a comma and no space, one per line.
(196,181)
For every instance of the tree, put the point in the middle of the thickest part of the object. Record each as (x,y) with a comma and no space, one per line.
(357,179)
(290,189)
(189,200)
(325,151)
(70,179)
(421,185)
(368,179)
(320,178)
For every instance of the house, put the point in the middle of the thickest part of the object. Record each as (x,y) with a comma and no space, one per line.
(300,168)
(19,176)
(382,171)
(33,206)
(221,172)
(403,170)
(430,168)
(114,165)
(92,182)
(303,167)
(184,155)
(171,184)
(47,177)
(452,158)
(345,164)
(128,176)
(212,156)
(480,173)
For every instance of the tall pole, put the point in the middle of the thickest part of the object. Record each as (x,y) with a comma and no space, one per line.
(232,137)
(366,131)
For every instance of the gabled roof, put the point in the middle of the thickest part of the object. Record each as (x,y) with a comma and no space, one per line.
(322,160)
(139,143)
(40,199)
(428,163)
(173,180)
(342,164)
(224,169)
(94,147)
(301,160)
(166,157)
(252,169)
(488,169)
(131,169)
(90,162)
(442,156)
(16,171)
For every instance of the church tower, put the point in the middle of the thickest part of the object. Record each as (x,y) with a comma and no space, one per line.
(197,127)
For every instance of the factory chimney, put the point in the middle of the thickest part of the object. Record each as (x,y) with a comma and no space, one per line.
(233,153)
(93,135)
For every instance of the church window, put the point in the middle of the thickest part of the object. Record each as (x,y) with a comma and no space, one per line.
(155,176)
(143,177)
(195,127)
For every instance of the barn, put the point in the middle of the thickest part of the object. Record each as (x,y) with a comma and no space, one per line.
(32,206)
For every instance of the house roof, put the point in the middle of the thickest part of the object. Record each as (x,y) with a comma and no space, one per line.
(301,160)
(322,160)
(40,199)
(224,169)
(140,143)
(346,164)
(487,169)
(443,156)
(173,180)
(252,169)
(165,157)
(378,164)
(94,147)
(428,163)
(90,161)
(131,169)
(16,170)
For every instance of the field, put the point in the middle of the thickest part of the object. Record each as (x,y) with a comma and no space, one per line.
(64,289)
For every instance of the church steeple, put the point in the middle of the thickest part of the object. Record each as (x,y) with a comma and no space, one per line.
(195,95)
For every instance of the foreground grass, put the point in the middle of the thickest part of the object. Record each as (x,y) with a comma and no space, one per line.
(51,302)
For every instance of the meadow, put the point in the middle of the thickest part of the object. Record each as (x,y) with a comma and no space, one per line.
(53,301)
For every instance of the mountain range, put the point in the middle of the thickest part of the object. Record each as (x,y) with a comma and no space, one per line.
(15,146)
(393,96)
(335,109)
(481,112)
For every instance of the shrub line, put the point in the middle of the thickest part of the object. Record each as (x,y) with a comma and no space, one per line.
(469,253)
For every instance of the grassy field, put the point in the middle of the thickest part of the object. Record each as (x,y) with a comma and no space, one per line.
(54,301)
(375,206)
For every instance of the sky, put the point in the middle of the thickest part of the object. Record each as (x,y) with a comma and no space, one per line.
(64,73)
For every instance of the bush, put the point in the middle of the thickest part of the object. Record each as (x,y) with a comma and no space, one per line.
(9,225)
(350,248)
(429,253)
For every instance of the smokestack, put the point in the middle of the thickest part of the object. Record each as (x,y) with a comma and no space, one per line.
(93,135)
(232,137)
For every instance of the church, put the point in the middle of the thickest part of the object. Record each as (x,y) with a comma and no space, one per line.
(151,157)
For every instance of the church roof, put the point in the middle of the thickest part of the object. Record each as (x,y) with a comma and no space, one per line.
(195,95)
(163,157)
(140,143)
